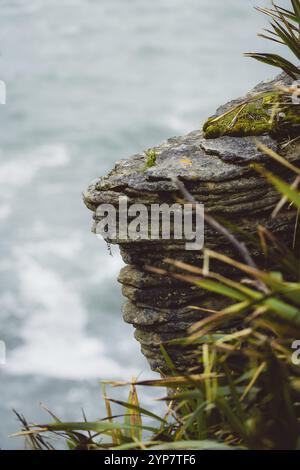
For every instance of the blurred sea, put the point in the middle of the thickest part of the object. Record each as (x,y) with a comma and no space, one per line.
(90,82)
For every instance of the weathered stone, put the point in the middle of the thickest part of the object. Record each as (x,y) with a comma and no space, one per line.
(238,149)
(163,296)
(218,173)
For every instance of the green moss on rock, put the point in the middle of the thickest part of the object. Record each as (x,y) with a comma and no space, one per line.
(151,156)
(252,118)
(266,114)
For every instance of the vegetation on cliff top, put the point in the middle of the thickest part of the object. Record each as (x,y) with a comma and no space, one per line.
(274,112)
(284,30)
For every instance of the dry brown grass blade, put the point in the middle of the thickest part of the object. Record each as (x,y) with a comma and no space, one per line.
(167,381)
(263,148)
(206,325)
(202,309)
(258,372)
(191,279)
(240,247)
(116,433)
(255,272)
(296,229)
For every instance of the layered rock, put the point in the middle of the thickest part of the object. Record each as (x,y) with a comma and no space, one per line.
(218,173)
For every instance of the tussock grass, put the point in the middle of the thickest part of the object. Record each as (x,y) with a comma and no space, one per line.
(284,29)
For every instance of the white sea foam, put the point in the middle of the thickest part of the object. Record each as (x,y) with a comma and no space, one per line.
(56,343)
(23,169)
(66,248)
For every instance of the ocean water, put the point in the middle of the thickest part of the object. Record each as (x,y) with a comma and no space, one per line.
(90,82)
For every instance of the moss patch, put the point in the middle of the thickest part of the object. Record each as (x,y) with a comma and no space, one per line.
(252,118)
(265,114)
(151,156)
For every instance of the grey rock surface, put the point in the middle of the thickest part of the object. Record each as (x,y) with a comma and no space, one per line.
(218,173)
(239,149)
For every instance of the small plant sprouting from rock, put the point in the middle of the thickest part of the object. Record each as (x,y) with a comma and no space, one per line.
(151,156)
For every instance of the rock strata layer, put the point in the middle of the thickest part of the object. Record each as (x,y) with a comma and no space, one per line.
(218,173)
